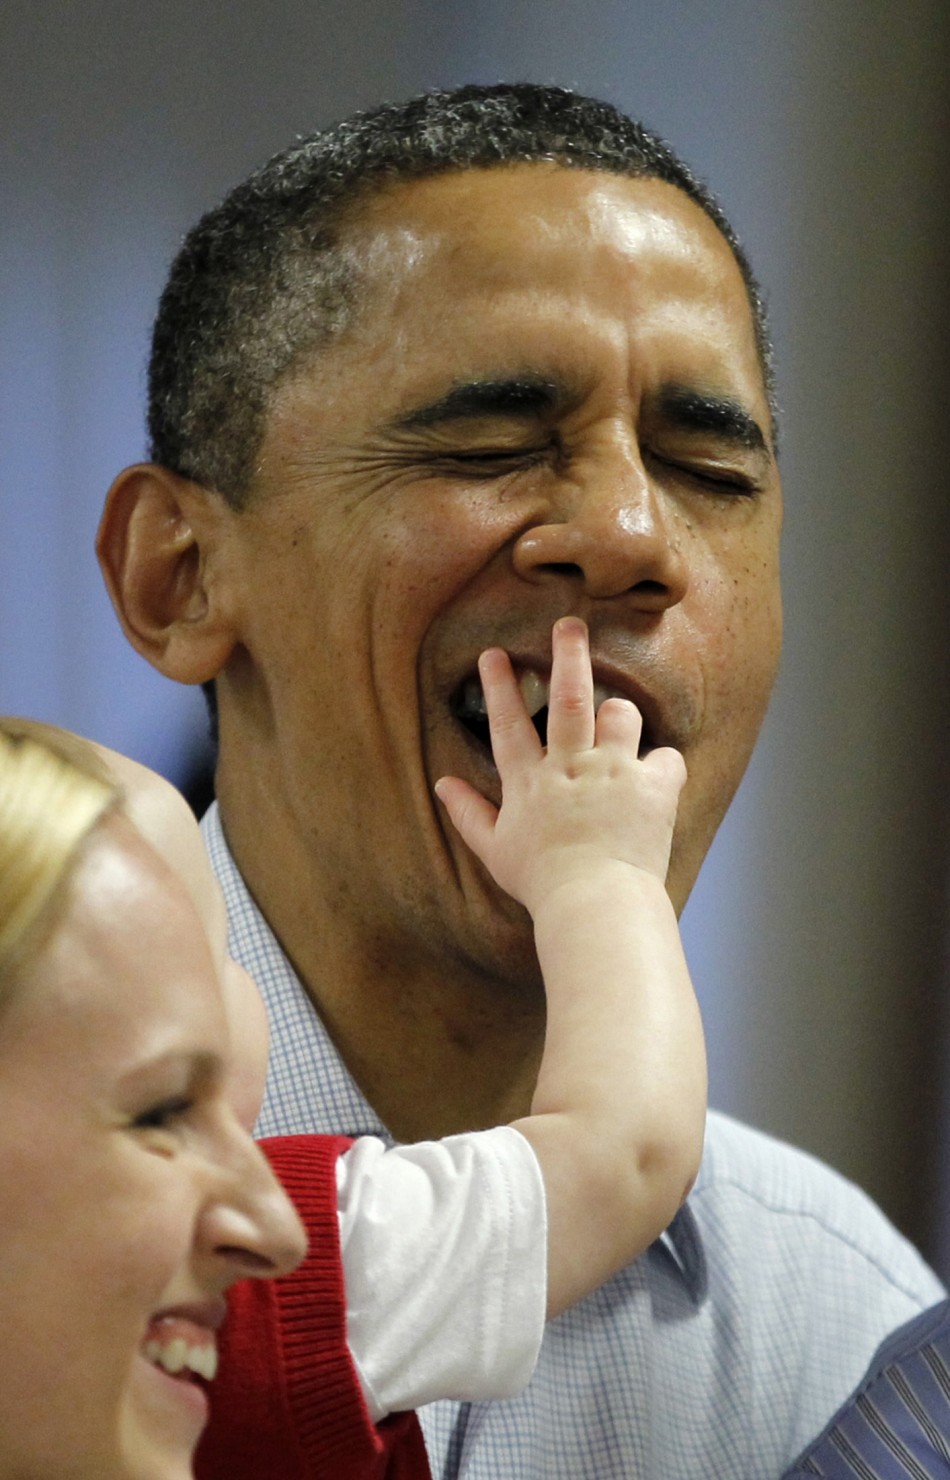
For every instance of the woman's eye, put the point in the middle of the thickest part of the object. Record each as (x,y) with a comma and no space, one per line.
(163,1115)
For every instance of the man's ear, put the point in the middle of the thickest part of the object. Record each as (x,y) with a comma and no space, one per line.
(153,545)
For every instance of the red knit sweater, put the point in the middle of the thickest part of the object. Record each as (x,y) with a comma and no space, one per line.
(287,1404)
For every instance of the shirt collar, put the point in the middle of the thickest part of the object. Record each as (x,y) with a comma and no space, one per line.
(683,1245)
(315,1093)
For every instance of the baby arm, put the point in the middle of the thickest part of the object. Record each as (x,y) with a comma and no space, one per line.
(582,839)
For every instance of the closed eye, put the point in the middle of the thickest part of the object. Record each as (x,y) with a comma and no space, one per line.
(729,482)
(163,1115)
(489,461)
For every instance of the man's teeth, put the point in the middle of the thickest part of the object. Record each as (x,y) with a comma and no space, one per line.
(535,691)
(177,1354)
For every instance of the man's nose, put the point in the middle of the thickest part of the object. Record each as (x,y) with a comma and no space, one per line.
(612,529)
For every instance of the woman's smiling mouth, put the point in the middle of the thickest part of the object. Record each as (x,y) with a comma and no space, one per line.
(184,1345)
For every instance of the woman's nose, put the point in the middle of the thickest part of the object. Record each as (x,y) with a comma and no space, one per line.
(610,529)
(250,1222)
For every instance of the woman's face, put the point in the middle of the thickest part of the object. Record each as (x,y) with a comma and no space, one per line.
(131,1197)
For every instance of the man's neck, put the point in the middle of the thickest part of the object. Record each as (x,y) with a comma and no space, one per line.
(427,1069)
(435,1044)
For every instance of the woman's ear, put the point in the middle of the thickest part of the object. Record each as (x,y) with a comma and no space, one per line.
(153,544)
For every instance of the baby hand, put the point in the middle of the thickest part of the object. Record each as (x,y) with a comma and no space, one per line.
(585,802)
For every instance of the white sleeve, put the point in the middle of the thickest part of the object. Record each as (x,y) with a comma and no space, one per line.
(445,1256)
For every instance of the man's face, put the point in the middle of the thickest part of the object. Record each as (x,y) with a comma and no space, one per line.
(549,403)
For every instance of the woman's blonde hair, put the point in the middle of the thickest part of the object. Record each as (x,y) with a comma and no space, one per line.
(52,794)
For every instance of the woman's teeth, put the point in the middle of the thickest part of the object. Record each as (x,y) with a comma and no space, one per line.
(175,1355)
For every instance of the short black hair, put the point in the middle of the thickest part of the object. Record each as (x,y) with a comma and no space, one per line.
(263,280)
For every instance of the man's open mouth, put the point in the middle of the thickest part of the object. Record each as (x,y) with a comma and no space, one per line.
(468,706)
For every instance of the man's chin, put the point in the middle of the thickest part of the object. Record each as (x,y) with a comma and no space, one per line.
(499,946)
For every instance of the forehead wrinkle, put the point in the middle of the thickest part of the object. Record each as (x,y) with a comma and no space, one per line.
(509,396)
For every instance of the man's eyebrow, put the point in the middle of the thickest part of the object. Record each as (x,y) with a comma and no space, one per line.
(516,396)
(701,411)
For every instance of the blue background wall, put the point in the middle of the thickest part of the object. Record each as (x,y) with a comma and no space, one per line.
(818,933)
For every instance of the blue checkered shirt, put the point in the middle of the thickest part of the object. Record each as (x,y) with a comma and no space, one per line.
(897,1425)
(717,1355)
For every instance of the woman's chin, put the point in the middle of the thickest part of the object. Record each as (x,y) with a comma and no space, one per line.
(166,1416)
